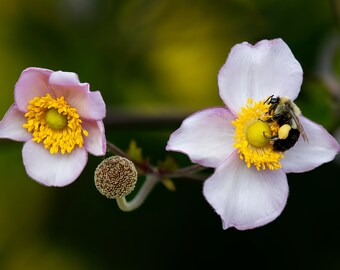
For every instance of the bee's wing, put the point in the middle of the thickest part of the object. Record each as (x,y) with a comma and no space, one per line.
(299,126)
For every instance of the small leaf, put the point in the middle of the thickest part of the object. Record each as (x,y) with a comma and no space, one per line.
(135,152)
(168,165)
(169,184)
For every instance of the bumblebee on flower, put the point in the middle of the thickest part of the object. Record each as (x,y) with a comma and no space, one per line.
(255,140)
(60,121)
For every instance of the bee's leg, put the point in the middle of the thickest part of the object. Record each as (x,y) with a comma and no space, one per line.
(275,117)
(269,120)
(269,99)
(272,138)
(278,116)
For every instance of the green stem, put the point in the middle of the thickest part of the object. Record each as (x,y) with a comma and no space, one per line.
(186,172)
(150,181)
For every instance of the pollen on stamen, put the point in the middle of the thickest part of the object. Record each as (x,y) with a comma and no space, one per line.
(53,122)
(251,135)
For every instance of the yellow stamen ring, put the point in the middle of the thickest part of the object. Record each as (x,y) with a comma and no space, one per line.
(55,123)
(251,136)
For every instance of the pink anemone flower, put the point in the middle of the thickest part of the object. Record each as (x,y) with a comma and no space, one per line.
(59,120)
(249,186)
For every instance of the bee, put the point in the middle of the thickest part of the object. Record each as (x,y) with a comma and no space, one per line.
(285,113)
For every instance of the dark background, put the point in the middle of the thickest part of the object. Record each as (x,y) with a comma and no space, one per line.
(155,58)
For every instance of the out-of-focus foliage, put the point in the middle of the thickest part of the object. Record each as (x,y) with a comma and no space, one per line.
(159,57)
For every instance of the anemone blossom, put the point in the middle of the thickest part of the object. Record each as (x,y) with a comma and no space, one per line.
(249,186)
(60,121)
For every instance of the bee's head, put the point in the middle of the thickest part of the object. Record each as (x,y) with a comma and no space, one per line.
(274,100)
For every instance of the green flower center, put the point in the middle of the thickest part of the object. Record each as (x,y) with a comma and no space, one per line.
(55,119)
(255,134)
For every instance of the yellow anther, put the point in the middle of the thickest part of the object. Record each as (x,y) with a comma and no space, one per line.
(55,124)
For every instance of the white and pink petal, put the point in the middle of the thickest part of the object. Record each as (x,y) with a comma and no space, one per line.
(267,68)
(53,169)
(206,137)
(67,79)
(89,105)
(95,142)
(33,82)
(244,197)
(11,126)
(305,156)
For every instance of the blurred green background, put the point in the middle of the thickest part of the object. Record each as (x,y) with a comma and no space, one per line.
(162,58)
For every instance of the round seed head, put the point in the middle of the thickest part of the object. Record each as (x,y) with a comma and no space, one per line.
(115,177)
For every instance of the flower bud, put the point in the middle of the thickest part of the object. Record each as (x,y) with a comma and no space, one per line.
(115,177)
